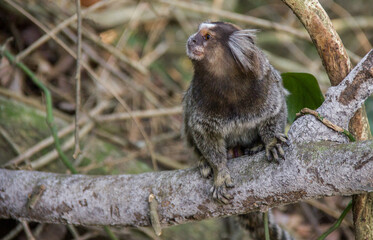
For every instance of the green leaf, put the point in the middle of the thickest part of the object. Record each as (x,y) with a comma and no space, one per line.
(304,92)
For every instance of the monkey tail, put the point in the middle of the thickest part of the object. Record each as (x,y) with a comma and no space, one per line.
(253,223)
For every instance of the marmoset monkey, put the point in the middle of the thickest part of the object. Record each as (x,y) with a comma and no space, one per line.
(236,99)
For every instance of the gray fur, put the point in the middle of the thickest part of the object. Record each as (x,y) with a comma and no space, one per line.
(210,128)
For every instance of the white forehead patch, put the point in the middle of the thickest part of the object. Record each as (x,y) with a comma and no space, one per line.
(206,25)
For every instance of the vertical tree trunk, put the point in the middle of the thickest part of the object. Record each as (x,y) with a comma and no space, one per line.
(363,212)
(362,204)
(337,65)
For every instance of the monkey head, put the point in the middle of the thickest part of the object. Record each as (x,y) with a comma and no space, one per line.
(219,47)
(208,39)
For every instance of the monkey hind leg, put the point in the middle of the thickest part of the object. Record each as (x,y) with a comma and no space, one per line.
(204,168)
(203,165)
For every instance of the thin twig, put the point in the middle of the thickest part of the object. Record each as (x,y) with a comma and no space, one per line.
(31,102)
(111,60)
(38,229)
(266,228)
(360,35)
(237,17)
(139,114)
(63,132)
(89,51)
(337,223)
(157,27)
(362,22)
(77,79)
(155,54)
(59,27)
(49,107)
(50,156)
(148,232)
(326,122)
(96,78)
(139,126)
(41,26)
(64,24)
(118,54)
(73,232)
(27,230)
(110,233)
(12,234)
(170,163)
(330,211)
(310,216)
(7,138)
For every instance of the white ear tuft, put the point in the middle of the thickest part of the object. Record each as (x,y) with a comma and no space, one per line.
(241,44)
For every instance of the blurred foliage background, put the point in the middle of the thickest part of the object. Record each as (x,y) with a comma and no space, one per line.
(135,51)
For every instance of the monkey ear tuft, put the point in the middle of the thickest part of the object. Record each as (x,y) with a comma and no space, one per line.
(242,46)
(250,34)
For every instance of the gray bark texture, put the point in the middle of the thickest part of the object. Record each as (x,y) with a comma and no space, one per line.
(184,195)
(318,162)
(341,103)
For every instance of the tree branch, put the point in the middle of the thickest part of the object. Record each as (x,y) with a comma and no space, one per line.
(327,41)
(318,170)
(341,102)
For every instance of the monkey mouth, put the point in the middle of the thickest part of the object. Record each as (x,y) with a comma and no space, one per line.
(195,53)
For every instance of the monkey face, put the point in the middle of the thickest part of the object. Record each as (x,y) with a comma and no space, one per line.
(220,47)
(209,38)
(204,42)
(197,43)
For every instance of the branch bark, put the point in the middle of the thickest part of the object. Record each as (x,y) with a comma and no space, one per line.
(337,65)
(341,102)
(184,195)
(326,40)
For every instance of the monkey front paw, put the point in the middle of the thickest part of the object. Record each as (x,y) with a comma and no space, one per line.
(205,169)
(273,149)
(221,182)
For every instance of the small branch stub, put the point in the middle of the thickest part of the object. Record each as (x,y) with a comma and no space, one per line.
(35,196)
(154,217)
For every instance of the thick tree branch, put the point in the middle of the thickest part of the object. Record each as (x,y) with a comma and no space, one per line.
(318,170)
(341,102)
(327,41)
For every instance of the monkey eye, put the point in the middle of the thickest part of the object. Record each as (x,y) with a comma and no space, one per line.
(207,36)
